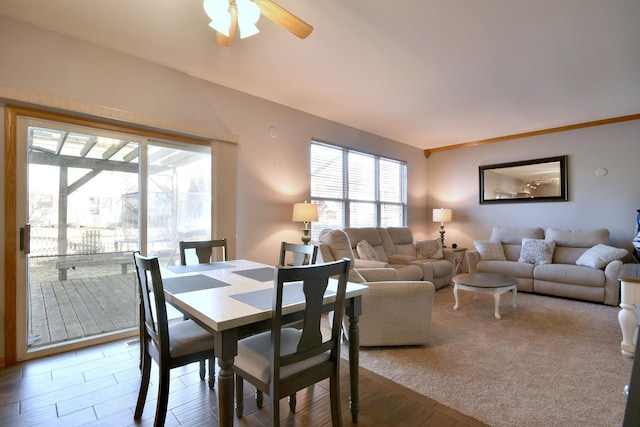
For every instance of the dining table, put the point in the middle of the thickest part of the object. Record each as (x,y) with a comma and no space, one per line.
(233,299)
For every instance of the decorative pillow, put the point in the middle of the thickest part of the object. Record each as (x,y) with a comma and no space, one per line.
(490,250)
(600,255)
(366,251)
(537,251)
(429,249)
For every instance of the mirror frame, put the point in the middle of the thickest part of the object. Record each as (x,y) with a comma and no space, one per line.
(562,176)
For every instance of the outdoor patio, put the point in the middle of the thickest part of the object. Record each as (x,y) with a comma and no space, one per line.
(92,301)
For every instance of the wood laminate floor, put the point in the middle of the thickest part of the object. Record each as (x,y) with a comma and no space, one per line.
(98,386)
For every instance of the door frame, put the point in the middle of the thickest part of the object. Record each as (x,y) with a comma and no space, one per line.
(12,229)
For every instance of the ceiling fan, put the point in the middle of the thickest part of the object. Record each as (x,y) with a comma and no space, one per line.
(227,15)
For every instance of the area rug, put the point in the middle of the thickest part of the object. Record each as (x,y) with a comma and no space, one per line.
(548,362)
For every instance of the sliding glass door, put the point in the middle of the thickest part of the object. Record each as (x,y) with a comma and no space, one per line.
(86,198)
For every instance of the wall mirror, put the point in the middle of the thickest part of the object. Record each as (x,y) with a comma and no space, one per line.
(538,180)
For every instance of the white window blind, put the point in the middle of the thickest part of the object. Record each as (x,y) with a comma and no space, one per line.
(356,189)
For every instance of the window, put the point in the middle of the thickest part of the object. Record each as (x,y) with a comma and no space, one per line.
(356,189)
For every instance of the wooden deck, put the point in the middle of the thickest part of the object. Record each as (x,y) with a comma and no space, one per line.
(81,307)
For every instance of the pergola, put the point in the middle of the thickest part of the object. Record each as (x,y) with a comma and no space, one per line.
(95,154)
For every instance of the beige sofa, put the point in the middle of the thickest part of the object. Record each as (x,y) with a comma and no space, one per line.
(394,312)
(395,247)
(576,264)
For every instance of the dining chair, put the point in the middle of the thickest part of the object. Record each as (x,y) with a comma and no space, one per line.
(284,360)
(170,345)
(301,254)
(204,249)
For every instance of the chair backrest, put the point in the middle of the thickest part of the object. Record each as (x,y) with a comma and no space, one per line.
(302,254)
(203,249)
(315,280)
(154,310)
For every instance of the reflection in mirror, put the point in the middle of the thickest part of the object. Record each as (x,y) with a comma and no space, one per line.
(539,180)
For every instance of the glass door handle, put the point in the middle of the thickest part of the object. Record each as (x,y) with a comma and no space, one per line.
(25,239)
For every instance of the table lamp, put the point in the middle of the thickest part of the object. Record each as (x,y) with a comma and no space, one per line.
(305,212)
(442,215)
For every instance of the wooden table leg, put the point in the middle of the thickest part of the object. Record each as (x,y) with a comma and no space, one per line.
(225,349)
(225,392)
(353,312)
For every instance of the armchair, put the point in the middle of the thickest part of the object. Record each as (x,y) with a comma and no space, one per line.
(394,312)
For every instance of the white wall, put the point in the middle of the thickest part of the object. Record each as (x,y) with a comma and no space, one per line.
(609,201)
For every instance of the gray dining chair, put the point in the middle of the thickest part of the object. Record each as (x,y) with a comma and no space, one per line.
(300,254)
(284,360)
(170,345)
(204,250)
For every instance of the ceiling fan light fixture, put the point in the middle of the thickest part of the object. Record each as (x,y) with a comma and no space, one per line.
(248,15)
(218,12)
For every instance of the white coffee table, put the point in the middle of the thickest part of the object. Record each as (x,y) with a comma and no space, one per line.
(486,283)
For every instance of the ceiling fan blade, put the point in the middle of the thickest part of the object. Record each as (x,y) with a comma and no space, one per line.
(221,39)
(285,19)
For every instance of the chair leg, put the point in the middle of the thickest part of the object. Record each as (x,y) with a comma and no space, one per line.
(203,370)
(292,403)
(275,411)
(212,372)
(334,393)
(259,398)
(239,396)
(144,385)
(163,397)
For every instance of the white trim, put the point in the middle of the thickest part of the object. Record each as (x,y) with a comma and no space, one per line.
(36,98)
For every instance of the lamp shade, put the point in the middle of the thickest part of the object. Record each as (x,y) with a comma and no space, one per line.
(441,215)
(218,12)
(248,15)
(305,212)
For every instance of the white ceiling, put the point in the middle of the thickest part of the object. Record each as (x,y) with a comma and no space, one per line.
(427,73)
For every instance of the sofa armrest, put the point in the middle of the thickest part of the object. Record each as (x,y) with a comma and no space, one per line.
(472,259)
(378,274)
(611,283)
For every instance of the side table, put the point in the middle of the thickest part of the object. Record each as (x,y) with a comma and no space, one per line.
(629,297)
(458,258)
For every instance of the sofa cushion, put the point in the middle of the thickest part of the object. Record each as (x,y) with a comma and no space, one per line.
(514,235)
(429,249)
(398,241)
(510,268)
(600,255)
(578,238)
(372,236)
(489,250)
(537,251)
(439,267)
(511,238)
(569,274)
(571,244)
(366,251)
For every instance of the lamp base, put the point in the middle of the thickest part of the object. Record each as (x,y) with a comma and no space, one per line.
(442,236)
(306,235)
